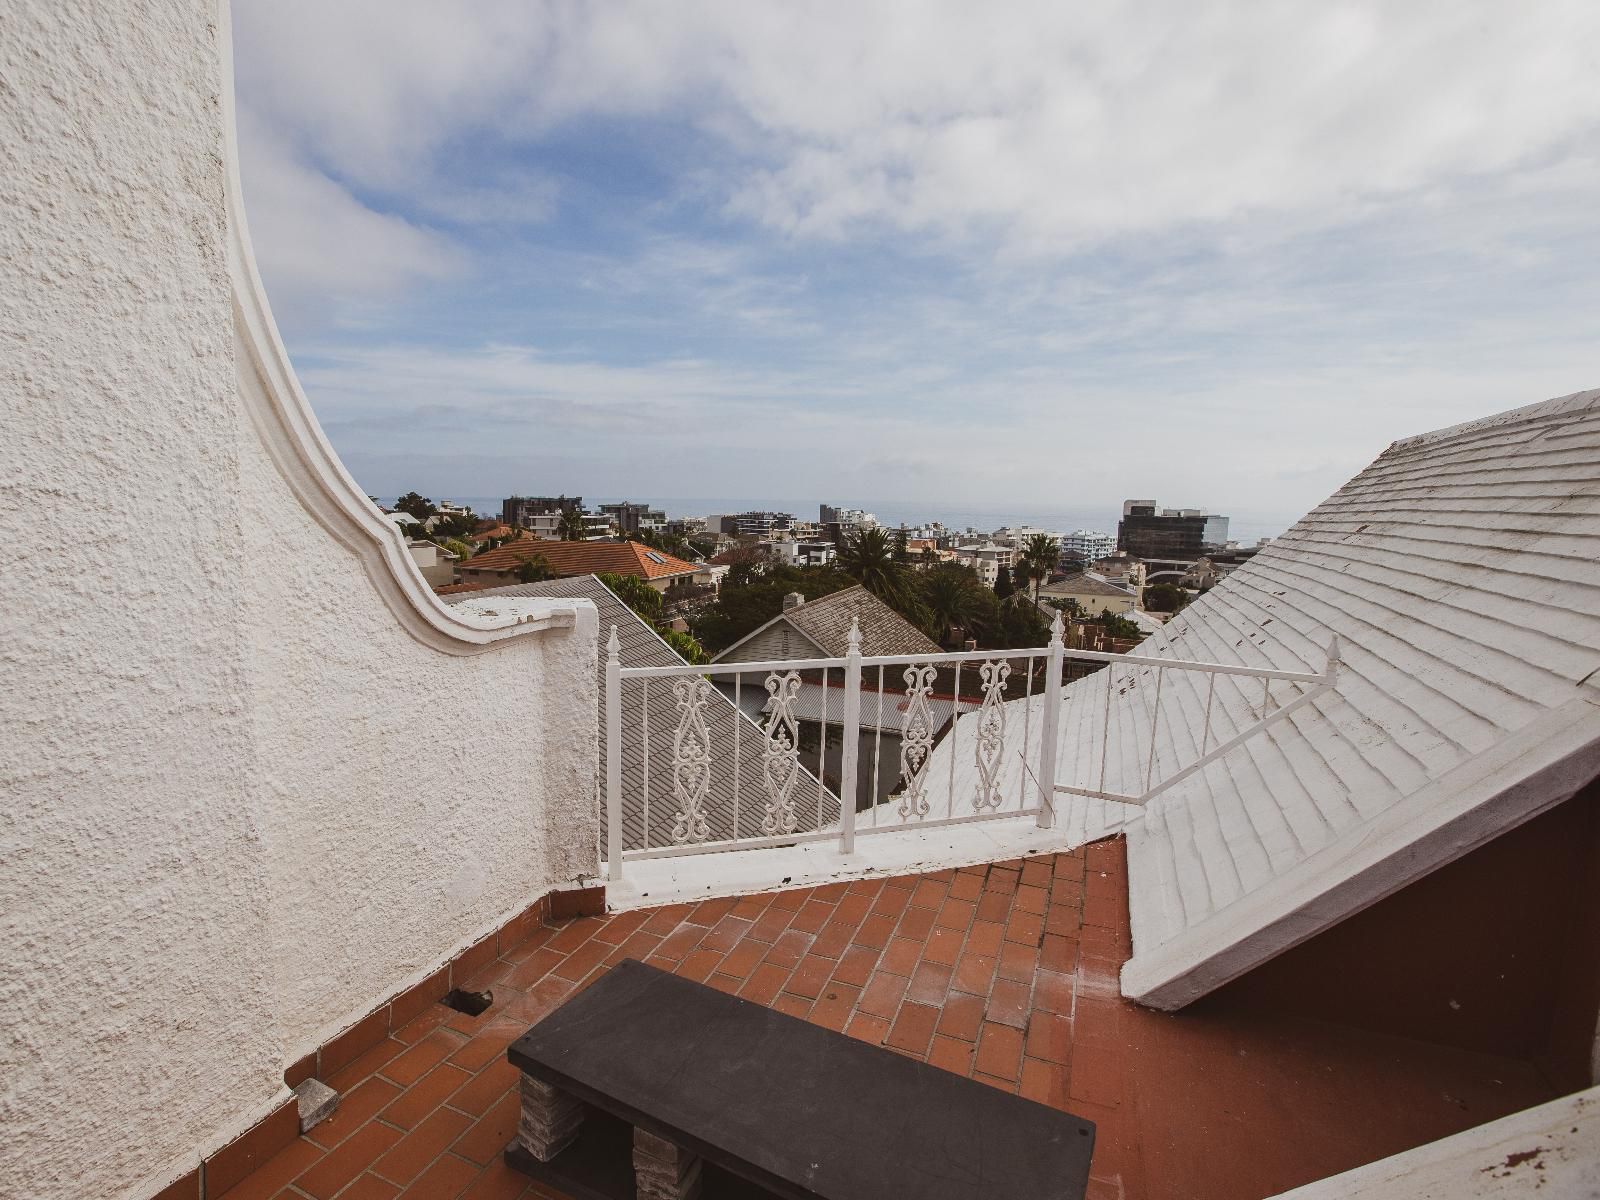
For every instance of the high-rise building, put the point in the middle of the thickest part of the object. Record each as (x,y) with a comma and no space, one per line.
(518,510)
(1168,533)
(1085,546)
(631,518)
(830,514)
(750,524)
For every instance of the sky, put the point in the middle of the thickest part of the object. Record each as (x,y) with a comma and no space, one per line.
(1048,254)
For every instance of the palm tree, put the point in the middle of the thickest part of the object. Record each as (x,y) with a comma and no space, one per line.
(868,558)
(1040,555)
(948,595)
(571,526)
(535,569)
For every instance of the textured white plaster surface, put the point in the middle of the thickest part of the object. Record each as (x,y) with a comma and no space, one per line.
(223,836)
(410,800)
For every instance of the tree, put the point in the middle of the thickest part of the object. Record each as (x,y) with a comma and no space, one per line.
(1069,606)
(418,506)
(869,558)
(1021,624)
(949,593)
(457,547)
(752,595)
(688,649)
(635,593)
(902,554)
(535,569)
(1041,553)
(1165,597)
(571,526)
(1006,624)
(456,525)
(1003,588)
(1119,626)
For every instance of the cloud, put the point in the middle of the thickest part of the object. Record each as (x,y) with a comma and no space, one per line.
(1052,125)
(326,252)
(1039,252)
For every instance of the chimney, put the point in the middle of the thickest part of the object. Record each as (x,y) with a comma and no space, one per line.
(970,644)
(793,600)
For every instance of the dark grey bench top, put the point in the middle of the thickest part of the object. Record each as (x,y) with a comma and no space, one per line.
(798,1110)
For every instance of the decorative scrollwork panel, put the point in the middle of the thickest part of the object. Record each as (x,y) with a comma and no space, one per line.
(916,742)
(780,753)
(990,745)
(691,760)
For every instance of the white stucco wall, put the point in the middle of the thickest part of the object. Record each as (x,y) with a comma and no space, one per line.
(221,836)
(410,800)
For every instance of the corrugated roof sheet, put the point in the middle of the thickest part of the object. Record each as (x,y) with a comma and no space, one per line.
(1461,573)
(639,646)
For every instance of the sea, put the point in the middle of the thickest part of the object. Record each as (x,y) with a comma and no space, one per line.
(1245,529)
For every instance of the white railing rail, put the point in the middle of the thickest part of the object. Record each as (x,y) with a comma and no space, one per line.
(1318,683)
(742,774)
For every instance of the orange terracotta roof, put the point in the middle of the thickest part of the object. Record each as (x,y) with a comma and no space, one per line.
(584,558)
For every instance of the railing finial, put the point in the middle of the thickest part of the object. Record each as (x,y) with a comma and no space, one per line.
(1056,629)
(1333,657)
(613,648)
(853,642)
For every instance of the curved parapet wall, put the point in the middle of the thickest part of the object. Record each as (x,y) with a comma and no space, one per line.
(255,780)
(291,434)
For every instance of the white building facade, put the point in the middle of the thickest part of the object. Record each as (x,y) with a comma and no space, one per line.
(1087,545)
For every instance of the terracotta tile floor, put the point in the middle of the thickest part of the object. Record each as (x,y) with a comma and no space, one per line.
(1005,972)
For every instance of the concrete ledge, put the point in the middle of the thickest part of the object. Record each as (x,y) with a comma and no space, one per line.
(655,881)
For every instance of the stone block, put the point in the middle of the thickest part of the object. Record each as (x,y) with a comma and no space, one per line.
(316,1101)
(549,1121)
(663,1170)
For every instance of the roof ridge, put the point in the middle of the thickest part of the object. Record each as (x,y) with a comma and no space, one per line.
(1555,407)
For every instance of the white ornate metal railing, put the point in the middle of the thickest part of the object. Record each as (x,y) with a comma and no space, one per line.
(769,784)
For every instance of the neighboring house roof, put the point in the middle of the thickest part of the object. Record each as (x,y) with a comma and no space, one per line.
(585,558)
(487,532)
(453,589)
(640,646)
(1085,585)
(824,623)
(1461,575)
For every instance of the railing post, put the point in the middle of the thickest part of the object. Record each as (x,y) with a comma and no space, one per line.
(613,759)
(852,740)
(1050,733)
(1330,672)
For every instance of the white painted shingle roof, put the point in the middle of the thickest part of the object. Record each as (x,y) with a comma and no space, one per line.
(1461,573)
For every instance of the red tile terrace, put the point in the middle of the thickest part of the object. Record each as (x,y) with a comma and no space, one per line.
(1004,972)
